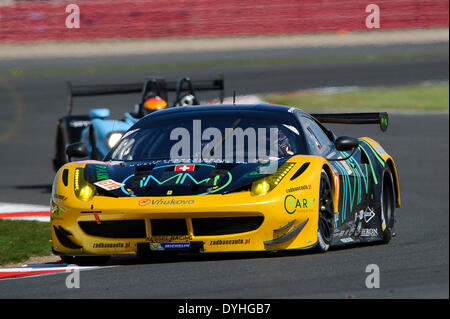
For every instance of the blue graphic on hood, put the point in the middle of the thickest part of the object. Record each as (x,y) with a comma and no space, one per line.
(174,179)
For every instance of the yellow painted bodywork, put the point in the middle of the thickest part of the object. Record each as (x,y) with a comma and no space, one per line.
(67,208)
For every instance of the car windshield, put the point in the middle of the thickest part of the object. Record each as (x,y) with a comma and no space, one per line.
(228,137)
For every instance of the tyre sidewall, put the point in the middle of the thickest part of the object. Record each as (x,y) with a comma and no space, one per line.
(322,244)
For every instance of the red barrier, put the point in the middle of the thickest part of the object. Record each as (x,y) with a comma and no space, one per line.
(25,21)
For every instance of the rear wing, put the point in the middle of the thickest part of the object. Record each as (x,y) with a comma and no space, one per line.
(130,88)
(381,118)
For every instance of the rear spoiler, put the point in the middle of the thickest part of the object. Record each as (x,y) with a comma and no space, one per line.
(110,89)
(380,118)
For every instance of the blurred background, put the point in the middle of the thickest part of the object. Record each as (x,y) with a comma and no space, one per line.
(124,19)
(319,55)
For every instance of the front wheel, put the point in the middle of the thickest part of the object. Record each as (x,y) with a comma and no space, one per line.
(326,214)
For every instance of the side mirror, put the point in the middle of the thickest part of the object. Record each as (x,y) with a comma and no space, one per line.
(343,144)
(346,143)
(78,149)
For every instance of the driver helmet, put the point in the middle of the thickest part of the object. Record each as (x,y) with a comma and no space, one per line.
(284,144)
(154,103)
(188,99)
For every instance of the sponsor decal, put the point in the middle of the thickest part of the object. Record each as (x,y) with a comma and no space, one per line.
(78,124)
(369,232)
(101,172)
(109,184)
(170,246)
(144,202)
(111,245)
(230,242)
(217,182)
(182,178)
(366,214)
(298,188)
(171,238)
(155,202)
(346,167)
(291,204)
(352,230)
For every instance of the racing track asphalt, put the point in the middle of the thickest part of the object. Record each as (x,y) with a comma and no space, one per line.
(414,265)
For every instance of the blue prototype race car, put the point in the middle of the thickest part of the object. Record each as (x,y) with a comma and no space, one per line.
(100,133)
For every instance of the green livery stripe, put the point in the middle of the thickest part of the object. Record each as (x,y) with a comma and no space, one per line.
(344,186)
(376,153)
(371,166)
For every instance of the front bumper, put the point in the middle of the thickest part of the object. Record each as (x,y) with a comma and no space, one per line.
(211,223)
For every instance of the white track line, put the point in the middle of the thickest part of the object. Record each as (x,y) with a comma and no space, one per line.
(15,211)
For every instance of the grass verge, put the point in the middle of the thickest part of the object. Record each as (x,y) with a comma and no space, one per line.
(20,240)
(404,98)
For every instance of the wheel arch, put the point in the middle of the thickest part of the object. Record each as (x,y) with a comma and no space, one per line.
(392,167)
(334,180)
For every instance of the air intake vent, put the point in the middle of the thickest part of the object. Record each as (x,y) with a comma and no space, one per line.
(115,228)
(168,227)
(63,238)
(225,225)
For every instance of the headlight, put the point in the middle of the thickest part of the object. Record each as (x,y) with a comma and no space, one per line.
(266,184)
(260,187)
(113,138)
(83,189)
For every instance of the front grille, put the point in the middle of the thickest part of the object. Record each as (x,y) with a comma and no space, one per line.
(168,227)
(225,225)
(115,228)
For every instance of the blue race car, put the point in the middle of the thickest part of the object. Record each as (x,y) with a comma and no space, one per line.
(100,133)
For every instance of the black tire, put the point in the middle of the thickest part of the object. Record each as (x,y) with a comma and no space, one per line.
(85,260)
(387,207)
(325,225)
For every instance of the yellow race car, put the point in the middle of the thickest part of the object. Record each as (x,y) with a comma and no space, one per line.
(226,178)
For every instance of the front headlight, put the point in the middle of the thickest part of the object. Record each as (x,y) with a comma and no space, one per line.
(260,187)
(266,184)
(113,139)
(83,189)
